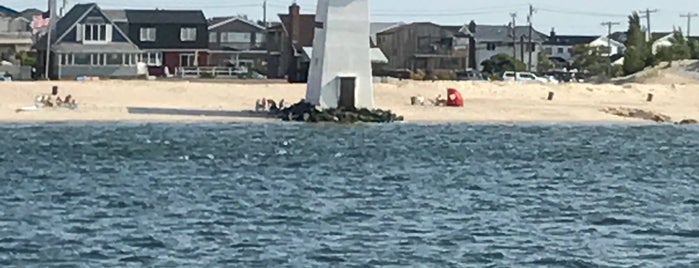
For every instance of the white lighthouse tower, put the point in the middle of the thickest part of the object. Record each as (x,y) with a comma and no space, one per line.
(340,68)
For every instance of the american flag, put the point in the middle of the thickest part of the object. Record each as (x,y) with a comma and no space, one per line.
(41,21)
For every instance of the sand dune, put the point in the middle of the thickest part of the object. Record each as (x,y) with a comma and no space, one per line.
(485,101)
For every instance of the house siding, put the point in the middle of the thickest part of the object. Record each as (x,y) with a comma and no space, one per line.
(237,26)
(101,71)
(402,45)
(168,36)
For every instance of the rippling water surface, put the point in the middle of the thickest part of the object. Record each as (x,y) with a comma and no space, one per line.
(268,195)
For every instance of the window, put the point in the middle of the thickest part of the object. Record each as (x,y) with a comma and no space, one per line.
(549,50)
(131,59)
(259,38)
(233,37)
(96,33)
(148,34)
(98,59)
(560,50)
(491,46)
(114,59)
(81,59)
(213,37)
(188,34)
(66,59)
(152,59)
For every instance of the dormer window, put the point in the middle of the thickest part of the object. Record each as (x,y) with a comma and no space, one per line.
(148,34)
(188,34)
(95,33)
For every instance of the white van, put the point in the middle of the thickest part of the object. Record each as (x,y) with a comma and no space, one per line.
(524,77)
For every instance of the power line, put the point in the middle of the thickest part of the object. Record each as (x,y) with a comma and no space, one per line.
(609,25)
(649,33)
(689,17)
(514,40)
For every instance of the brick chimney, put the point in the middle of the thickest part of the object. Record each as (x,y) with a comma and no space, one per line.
(295,15)
(553,33)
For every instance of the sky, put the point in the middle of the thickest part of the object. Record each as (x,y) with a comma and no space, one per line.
(567,17)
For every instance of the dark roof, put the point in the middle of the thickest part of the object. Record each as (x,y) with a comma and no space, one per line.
(165,16)
(616,57)
(306,30)
(619,37)
(503,33)
(570,40)
(8,11)
(656,36)
(70,18)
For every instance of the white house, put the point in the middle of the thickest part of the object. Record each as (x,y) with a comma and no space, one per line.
(560,47)
(662,40)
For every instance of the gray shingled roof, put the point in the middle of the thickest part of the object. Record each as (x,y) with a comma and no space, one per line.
(166,16)
(116,15)
(70,18)
(570,40)
(377,27)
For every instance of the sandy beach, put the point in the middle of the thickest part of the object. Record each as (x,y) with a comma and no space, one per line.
(152,101)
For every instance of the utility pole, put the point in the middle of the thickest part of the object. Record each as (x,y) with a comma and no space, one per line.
(49,33)
(689,17)
(649,34)
(530,19)
(514,41)
(609,25)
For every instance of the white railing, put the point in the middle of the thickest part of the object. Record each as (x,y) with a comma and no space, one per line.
(212,72)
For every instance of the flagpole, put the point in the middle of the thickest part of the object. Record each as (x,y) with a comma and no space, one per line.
(52,10)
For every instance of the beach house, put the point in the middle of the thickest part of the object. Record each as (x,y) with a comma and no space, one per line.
(560,47)
(425,46)
(491,40)
(237,42)
(111,43)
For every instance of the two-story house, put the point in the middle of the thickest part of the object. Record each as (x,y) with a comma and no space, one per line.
(15,34)
(290,46)
(93,42)
(236,41)
(560,47)
(425,45)
(169,39)
(491,40)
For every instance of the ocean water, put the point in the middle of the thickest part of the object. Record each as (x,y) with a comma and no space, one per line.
(292,195)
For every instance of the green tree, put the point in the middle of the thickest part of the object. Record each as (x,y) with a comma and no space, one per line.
(590,60)
(545,64)
(680,47)
(694,49)
(501,63)
(637,51)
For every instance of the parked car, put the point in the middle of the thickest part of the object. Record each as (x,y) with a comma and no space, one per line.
(523,77)
(471,75)
(6,77)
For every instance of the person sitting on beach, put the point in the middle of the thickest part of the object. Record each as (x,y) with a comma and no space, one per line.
(281,104)
(273,106)
(59,101)
(439,101)
(264,105)
(259,106)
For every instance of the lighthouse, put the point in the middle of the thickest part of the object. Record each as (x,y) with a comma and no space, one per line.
(340,67)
